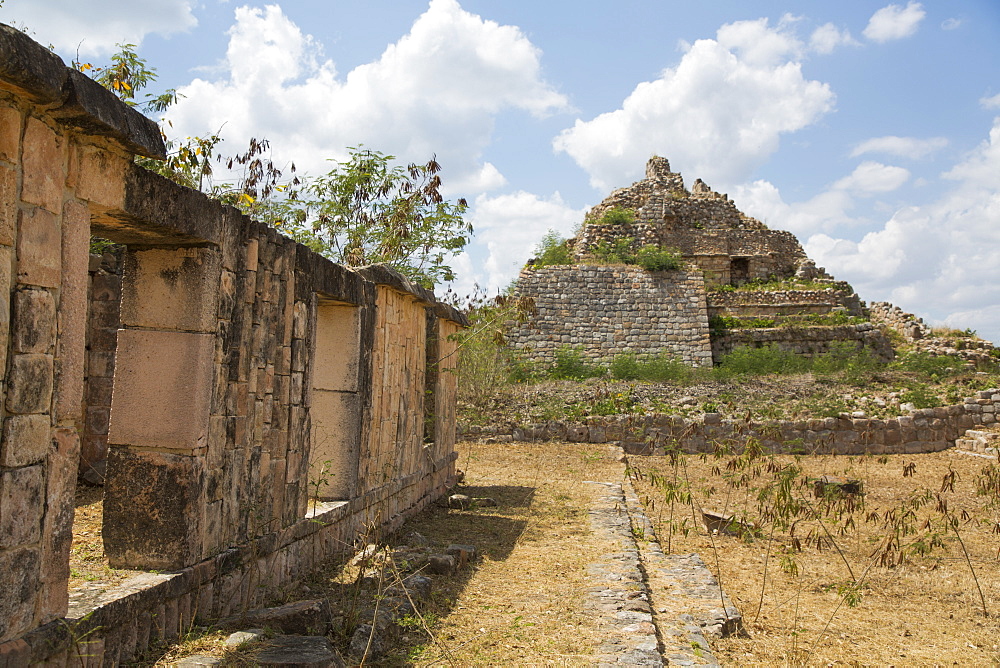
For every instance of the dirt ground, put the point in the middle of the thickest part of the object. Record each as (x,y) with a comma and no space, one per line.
(920,610)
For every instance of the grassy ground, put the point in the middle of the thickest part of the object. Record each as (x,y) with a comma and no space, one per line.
(879,579)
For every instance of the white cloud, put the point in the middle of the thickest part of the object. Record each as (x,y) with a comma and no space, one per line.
(717,115)
(436,90)
(95,28)
(991,102)
(941,260)
(951,24)
(508,227)
(904,147)
(828,37)
(873,177)
(894,22)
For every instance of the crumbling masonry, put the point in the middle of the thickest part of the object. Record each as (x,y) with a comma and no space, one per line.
(604,310)
(244,364)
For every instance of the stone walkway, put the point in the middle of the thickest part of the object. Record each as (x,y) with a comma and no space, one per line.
(655,609)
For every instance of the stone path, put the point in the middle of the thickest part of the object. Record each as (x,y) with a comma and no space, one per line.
(655,609)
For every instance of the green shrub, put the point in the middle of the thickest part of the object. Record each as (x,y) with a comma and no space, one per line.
(617,252)
(657,258)
(928,365)
(571,365)
(552,250)
(920,396)
(661,368)
(760,361)
(617,216)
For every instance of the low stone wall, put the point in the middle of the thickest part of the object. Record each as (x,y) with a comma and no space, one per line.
(807,341)
(611,309)
(924,430)
(840,293)
(908,325)
(109,627)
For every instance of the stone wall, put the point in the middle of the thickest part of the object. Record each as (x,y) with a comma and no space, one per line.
(705,226)
(103,321)
(607,310)
(244,364)
(923,430)
(908,325)
(806,340)
(782,302)
(968,347)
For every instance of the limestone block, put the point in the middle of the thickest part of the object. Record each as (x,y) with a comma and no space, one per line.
(337,347)
(22,505)
(39,249)
(72,349)
(8,205)
(10,133)
(336,429)
(162,389)
(58,524)
(34,323)
(29,384)
(19,593)
(172,289)
(25,440)
(43,176)
(153,508)
(101,177)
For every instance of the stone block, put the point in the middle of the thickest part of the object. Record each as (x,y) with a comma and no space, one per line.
(73,310)
(33,326)
(172,289)
(163,389)
(43,177)
(39,249)
(101,177)
(8,205)
(10,133)
(153,509)
(22,504)
(29,384)
(21,569)
(338,340)
(58,523)
(26,440)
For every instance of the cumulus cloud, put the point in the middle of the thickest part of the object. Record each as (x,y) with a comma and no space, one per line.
(869,178)
(903,147)
(828,37)
(95,28)
(508,228)
(942,259)
(436,90)
(894,22)
(717,115)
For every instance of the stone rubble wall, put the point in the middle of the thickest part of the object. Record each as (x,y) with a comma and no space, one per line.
(908,325)
(703,225)
(242,361)
(805,340)
(607,310)
(839,294)
(971,349)
(923,430)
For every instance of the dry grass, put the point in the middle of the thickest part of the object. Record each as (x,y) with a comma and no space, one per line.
(87,561)
(924,611)
(522,604)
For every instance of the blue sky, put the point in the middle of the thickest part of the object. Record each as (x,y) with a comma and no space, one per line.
(869,129)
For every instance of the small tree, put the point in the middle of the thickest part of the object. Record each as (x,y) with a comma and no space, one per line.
(368,211)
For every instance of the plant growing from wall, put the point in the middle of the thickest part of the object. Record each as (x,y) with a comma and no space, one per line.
(617,216)
(552,250)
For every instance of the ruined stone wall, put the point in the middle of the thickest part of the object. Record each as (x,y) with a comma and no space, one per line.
(237,348)
(908,325)
(807,341)
(923,430)
(607,310)
(704,225)
(784,302)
